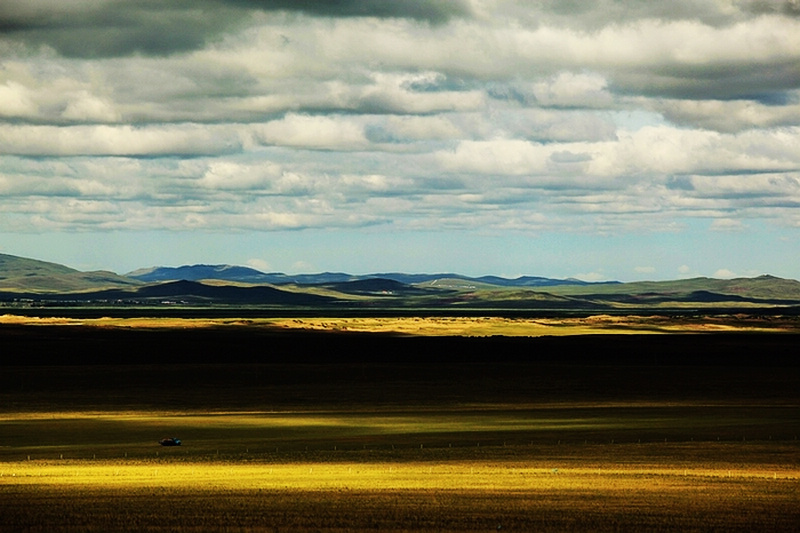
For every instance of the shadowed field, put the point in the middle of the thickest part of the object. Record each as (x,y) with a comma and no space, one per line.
(344,432)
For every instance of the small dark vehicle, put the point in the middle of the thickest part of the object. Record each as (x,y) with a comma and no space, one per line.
(170,441)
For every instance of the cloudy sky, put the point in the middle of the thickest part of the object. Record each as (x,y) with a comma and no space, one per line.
(608,139)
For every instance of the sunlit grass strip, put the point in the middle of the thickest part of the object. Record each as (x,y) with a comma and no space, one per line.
(479,476)
(341,423)
(425,326)
(487,326)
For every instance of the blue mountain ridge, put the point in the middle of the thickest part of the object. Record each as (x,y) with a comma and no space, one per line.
(250,275)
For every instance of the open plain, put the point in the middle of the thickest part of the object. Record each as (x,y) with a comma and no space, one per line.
(304,429)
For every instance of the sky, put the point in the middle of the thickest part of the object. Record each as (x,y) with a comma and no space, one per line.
(608,139)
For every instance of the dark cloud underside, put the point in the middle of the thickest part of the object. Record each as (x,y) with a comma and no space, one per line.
(784,7)
(117,29)
(435,11)
(767,83)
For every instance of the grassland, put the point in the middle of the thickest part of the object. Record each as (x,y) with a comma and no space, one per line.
(299,430)
(452,325)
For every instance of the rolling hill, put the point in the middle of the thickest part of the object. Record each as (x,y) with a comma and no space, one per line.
(761,289)
(25,275)
(191,293)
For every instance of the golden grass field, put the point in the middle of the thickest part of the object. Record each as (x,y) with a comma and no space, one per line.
(522,494)
(453,326)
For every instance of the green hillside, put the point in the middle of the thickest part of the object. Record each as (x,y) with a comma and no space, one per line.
(12,266)
(761,287)
(33,276)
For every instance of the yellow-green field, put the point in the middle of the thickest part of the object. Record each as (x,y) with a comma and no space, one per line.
(453,326)
(525,494)
(471,475)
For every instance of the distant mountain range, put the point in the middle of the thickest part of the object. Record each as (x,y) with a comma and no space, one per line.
(249,275)
(29,282)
